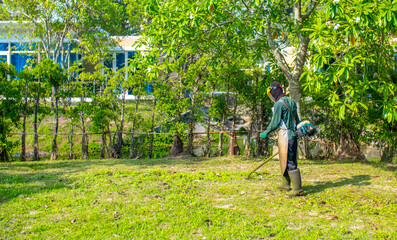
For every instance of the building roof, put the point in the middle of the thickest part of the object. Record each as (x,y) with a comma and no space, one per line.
(128,43)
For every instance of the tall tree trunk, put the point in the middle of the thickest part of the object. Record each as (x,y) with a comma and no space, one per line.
(132,148)
(306,144)
(150,153)
(177,144)
(296,93)
(190,136)
(248,145)
(54,140)
(104,149)
(234,149)
(53,92)
(207,149)
(36,156)
(84,139)
(260,148)
(23,137)
(3,150)
(112,151)
(220,143)
(71,153)
(119,144)
(192,117)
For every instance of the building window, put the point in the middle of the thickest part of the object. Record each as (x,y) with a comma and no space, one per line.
(3,46)
(131,55)
(120,60)
(3,58)
(19,61)
(23,46)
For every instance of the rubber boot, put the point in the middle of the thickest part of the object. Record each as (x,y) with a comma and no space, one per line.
(296,183)
(285,183)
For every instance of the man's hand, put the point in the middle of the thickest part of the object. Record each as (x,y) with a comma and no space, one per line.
(263,135)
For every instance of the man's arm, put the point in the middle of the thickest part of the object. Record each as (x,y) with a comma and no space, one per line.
(275,122)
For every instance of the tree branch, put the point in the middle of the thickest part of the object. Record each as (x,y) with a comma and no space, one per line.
(248,9)
(301,56)
(310,10)
(279,58)
(298,12)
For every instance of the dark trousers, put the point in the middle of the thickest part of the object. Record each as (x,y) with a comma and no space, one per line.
(292,158)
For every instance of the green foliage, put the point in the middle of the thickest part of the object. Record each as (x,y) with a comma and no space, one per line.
(10,107)
(354,84)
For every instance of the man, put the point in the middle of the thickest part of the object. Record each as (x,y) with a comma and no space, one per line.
(285,117)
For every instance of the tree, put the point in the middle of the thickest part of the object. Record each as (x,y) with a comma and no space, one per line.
(53,76)
(136,82)
(352,56)
(9,108)
(26,78)
(236,26)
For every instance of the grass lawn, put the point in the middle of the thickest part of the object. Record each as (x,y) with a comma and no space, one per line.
(195,198)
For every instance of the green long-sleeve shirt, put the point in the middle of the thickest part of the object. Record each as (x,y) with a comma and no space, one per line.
(281,113)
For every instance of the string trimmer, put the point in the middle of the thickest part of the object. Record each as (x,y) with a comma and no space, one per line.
(267,160)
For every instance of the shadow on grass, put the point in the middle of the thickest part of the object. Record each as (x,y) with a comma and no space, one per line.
(27,184)
(382,165)
(50,175)
(358,180)
(78,165)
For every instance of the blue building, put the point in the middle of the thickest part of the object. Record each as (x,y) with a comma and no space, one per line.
(17,49)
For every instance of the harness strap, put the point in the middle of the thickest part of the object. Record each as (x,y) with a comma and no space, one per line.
(288,109)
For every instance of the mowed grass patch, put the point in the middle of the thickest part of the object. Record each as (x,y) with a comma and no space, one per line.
(194,198)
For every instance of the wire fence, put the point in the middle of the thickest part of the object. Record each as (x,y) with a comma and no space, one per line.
(161,147)
(137,133)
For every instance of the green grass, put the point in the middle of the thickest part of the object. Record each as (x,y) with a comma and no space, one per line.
(194,198)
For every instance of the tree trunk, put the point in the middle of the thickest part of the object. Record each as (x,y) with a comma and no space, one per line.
(112,152)
(248,146)
(4,155)
(387,154)
(3,149)
(189,149)
(150,153)
(348,148)
(306,144)
(132,148)
(104,150)
(84,140)
(36,156)
(207,149)
(23,137)
(119,144)
(53,92)
(192,118)
(220,143)
(234,149)
(177,146)
(296,93)
(260,143)
(71,153)
(54,140)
